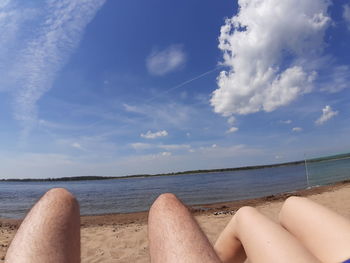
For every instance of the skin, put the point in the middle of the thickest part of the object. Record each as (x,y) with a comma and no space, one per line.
(50,232)
(263,241)
(323,232)
(174,235)
(307,233)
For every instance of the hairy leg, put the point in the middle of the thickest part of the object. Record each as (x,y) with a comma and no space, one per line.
(175,236)
(50,232)
(325,233)
(263,241)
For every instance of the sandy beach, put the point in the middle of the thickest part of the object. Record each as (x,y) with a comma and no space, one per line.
(123,237)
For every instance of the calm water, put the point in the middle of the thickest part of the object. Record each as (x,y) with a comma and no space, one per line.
(137,194)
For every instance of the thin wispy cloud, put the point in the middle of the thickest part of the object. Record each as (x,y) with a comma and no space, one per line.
(167,147)
(173,147)
(173,114)
(45,51)
(154,135)
(182,84)
(346,14)
(327,114)
(77,146)
(141,146)
(255,44)
(231,120)
(297,129)
(13,16)
(232,130)
(9,22)
(337,79)
(161,62)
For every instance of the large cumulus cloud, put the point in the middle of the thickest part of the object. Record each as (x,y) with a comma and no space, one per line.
(267,47)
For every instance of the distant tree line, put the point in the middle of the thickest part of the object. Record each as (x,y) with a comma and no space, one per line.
(85,178)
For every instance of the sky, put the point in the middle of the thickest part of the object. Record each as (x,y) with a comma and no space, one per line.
(114,88)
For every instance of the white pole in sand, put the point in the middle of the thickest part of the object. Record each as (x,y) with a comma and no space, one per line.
(307,172)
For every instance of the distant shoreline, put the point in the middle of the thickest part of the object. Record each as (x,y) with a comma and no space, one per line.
(87,178)
(254,167)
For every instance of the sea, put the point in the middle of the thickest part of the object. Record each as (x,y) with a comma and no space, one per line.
(137,194)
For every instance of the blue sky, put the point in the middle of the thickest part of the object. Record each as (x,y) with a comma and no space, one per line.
(113,88)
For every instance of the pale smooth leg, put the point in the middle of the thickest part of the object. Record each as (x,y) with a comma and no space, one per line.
(325,233)
(50,232)
(174,235)
(263,240)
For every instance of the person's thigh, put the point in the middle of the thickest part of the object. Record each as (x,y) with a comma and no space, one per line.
(263,240)
(325,233)
(174,235)
(50,232)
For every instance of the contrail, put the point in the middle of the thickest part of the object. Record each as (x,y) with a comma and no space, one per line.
(171,89)
(184,83)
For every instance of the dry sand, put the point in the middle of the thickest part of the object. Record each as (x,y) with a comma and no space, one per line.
(123,238)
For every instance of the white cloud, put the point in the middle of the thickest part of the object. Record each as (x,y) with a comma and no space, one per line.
(131,108)
(167,147)
(286,122)
(337,79)
(154,135)
(10,20)
(346,14)
(165,61)
(232,130)
(231,120)
(174,146)
(13,16)
(297,129)
(77,145)
(255,44)
(141,146)
(327,114)
(43,51)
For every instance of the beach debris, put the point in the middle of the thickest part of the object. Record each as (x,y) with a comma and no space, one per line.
(232,212)
(100,251)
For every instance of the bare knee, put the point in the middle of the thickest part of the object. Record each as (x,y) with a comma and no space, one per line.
(165,203)
(51,229)
(60,197)
(164,200)
(243,218)
(59,194)
(245,213)
(290,205)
